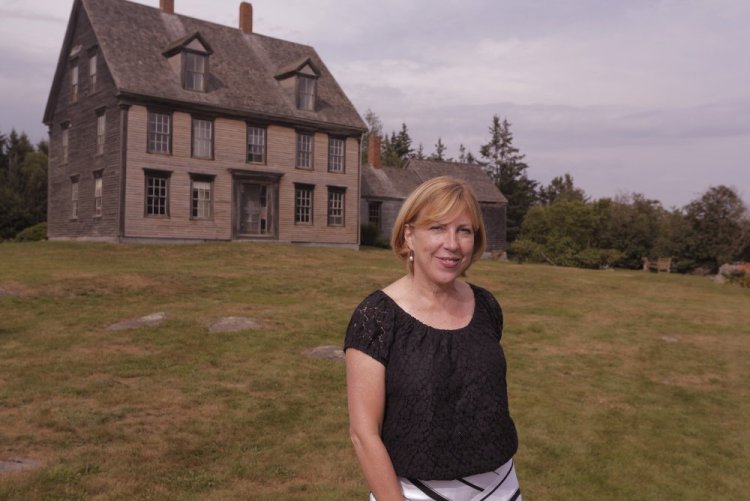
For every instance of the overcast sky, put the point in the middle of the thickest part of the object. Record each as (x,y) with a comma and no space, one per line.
(639,96)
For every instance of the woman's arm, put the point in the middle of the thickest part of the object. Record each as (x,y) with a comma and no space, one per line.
(365,382)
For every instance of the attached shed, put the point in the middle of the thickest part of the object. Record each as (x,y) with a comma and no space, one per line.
(385,188)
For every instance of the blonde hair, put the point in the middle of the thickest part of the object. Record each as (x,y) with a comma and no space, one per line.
(437,200)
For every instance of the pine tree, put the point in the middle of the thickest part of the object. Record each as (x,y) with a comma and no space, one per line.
(419,155)
(402,143)
(439,153)
(505,166)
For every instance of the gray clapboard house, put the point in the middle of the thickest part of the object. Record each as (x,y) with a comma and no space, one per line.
(384,189)
(163,126)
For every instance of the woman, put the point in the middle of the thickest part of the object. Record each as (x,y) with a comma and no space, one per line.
(425,371)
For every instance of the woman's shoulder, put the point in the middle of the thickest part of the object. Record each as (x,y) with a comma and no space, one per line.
(486,298)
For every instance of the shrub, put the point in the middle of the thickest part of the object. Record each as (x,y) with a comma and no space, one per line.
(33,233)
(523,250)
(597,258)
(370,236)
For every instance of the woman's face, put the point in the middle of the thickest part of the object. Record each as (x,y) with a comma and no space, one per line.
(442,249)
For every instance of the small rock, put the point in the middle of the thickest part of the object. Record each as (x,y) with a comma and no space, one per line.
(233,324)
(148,320)
(669,339)
(11,465)
(326,352)
(8,292)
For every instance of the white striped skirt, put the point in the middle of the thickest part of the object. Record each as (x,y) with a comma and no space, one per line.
(498,485)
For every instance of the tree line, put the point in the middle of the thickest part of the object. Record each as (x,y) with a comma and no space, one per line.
(559,224)
(23,183)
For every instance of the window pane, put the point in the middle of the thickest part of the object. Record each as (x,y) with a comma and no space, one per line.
(195,70)
(158,132)
(306,93)
(201,199)
(335,207)
(156,195)
(100,130)
(202,138)
(336,155)
(304,151)
(256,144)
(303,197)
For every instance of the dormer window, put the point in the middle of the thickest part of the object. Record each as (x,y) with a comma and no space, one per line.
(300,80)
(195,71)
(188,57)
(305,92)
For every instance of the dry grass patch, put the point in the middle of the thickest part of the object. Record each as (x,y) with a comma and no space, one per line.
(174,412)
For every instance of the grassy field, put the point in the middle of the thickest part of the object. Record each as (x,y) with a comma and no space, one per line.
(623,385)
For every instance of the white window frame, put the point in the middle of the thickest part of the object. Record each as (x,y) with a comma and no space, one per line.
(306,87)
(98,194)
(336,154)
(74,82)
(92,71)
(157,193)
(336,203)
(203,138)
(201,199)
(256,144)
(304,195)
(304,150)
(101,129)
(159,132)
(195,71)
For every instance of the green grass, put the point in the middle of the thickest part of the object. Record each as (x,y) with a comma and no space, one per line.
(623,385)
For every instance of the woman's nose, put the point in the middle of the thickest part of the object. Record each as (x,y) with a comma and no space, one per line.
(451,240)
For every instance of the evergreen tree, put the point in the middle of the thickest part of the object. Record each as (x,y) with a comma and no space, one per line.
(402,143)
(462,153)
(560,187)
(419,155)
(505,166)
(439,153)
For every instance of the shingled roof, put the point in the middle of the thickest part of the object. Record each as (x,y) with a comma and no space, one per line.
(396,183)
(243,66)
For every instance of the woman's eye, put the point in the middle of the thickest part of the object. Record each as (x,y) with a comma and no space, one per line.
(436,228)
(466,231)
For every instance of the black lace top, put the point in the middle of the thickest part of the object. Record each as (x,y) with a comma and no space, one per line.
(446,409)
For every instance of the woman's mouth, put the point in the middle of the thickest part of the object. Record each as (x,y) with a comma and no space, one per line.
(449,262)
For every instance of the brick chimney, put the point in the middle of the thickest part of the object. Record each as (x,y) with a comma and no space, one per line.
(373,150)
(246,17)
(167,6)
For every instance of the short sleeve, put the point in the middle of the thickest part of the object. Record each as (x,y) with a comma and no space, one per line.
(370,329)
(494,310)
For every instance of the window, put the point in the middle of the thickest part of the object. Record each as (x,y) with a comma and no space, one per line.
(98,194)
(92,71)
(65,142)
(336,206)
(304,150)
(74,197)
(101,125)
(373,213)
(305,93)
(159,132)
(303,203)
(335,154)
(157,193)
(203,138)
(74,81)
(195,71)
(256,144)
(200,199)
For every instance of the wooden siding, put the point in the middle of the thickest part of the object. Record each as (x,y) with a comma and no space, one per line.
(82,158)
(230,153)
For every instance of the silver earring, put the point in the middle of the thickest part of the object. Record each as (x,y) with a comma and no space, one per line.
(411,256)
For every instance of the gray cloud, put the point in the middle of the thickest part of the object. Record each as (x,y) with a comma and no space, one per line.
(645,95)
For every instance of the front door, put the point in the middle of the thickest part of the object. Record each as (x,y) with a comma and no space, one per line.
(256,211)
